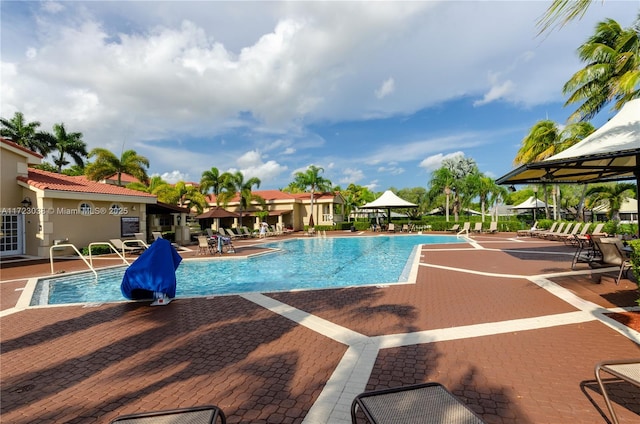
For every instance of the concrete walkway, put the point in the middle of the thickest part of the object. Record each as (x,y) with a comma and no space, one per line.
(502,322)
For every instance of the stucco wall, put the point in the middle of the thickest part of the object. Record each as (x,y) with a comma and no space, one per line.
(66,223)
(12,166)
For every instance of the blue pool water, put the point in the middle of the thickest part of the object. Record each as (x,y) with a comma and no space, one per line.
(297,264)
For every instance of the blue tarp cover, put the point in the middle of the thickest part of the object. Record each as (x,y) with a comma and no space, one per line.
(154,271)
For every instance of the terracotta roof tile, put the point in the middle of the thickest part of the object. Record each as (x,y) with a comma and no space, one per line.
(45,180)
(17,146)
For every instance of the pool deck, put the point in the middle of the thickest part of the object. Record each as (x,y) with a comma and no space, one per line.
(501,321)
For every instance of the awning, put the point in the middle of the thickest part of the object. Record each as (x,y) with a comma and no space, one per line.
(611,153)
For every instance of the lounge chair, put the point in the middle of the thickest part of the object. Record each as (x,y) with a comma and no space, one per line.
(541,233)
(623,369)
(201,414)
(455,228)
(574,238)
(466,227)
(493,227)
(548,234)
(391,228)
(158,235)
(140,236)
(229,233)
(426,402)
(128,246)
(477,228)
(597,231)
(247,232)
(204,246)
(528,232)
(612,254)
(559,234)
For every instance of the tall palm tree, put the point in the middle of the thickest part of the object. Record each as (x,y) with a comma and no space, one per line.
(162,189)
(613,195)
(67,144)
(441,186)
(487,191)
(314,182)
(563,11)
(243,189)
(108,164)
(545,139)
(25,134)
(612,71)
(213,181)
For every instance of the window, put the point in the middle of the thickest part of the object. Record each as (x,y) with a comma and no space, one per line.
(85,208)
(115,209)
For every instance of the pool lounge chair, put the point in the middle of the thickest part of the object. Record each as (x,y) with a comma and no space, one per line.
(418,403)
(612,254)
(128,246)
(541,233)
(548,234)
(493,227)
(455,228)
(559,234)
(574,238)
(391,228)
(477,228)
(204,246)
(466,227)
(200,414)
(622,370)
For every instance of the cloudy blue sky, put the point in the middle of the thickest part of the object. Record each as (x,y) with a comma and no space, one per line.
(376,93)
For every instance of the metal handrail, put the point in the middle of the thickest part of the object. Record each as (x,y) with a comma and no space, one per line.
(111,246)
(58,246)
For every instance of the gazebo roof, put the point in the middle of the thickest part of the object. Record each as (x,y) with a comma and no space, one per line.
(388,200)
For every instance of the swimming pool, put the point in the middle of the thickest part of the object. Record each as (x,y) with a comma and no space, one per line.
(307,263)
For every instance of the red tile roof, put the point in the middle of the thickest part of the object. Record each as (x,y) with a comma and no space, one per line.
(124,178)
(271,195)
(17,146)
(45,180)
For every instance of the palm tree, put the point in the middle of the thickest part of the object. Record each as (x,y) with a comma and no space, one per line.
(613,195)
(67,144)
(487,190)
(563,10)
(108,164)
(157,186)
(442,183)
(612,72)
(187,196)
(214,181)
(25,134)
(243,188)
(545,139)
(311,180)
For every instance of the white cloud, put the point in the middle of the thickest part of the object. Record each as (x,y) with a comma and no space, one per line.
(351,175)
(251,165)
(496,92)
(434,162)
(387,87)
(174,176)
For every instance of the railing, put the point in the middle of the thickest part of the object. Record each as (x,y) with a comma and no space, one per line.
(463,231)
(111,246)
(58,246)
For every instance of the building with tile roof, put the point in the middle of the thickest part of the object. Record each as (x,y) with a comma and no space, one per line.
(288,210)
(41,208)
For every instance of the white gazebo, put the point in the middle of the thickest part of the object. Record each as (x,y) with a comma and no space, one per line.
(389,200)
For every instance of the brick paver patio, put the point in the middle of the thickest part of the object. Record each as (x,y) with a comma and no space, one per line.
(507,328)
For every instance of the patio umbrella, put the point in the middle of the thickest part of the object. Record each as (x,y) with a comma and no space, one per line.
(389,200)
(216,213)
(611,153)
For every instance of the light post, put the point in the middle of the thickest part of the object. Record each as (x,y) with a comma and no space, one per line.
(447,191)
(535,204)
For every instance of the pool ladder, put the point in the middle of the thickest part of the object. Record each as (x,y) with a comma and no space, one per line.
(90,262)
